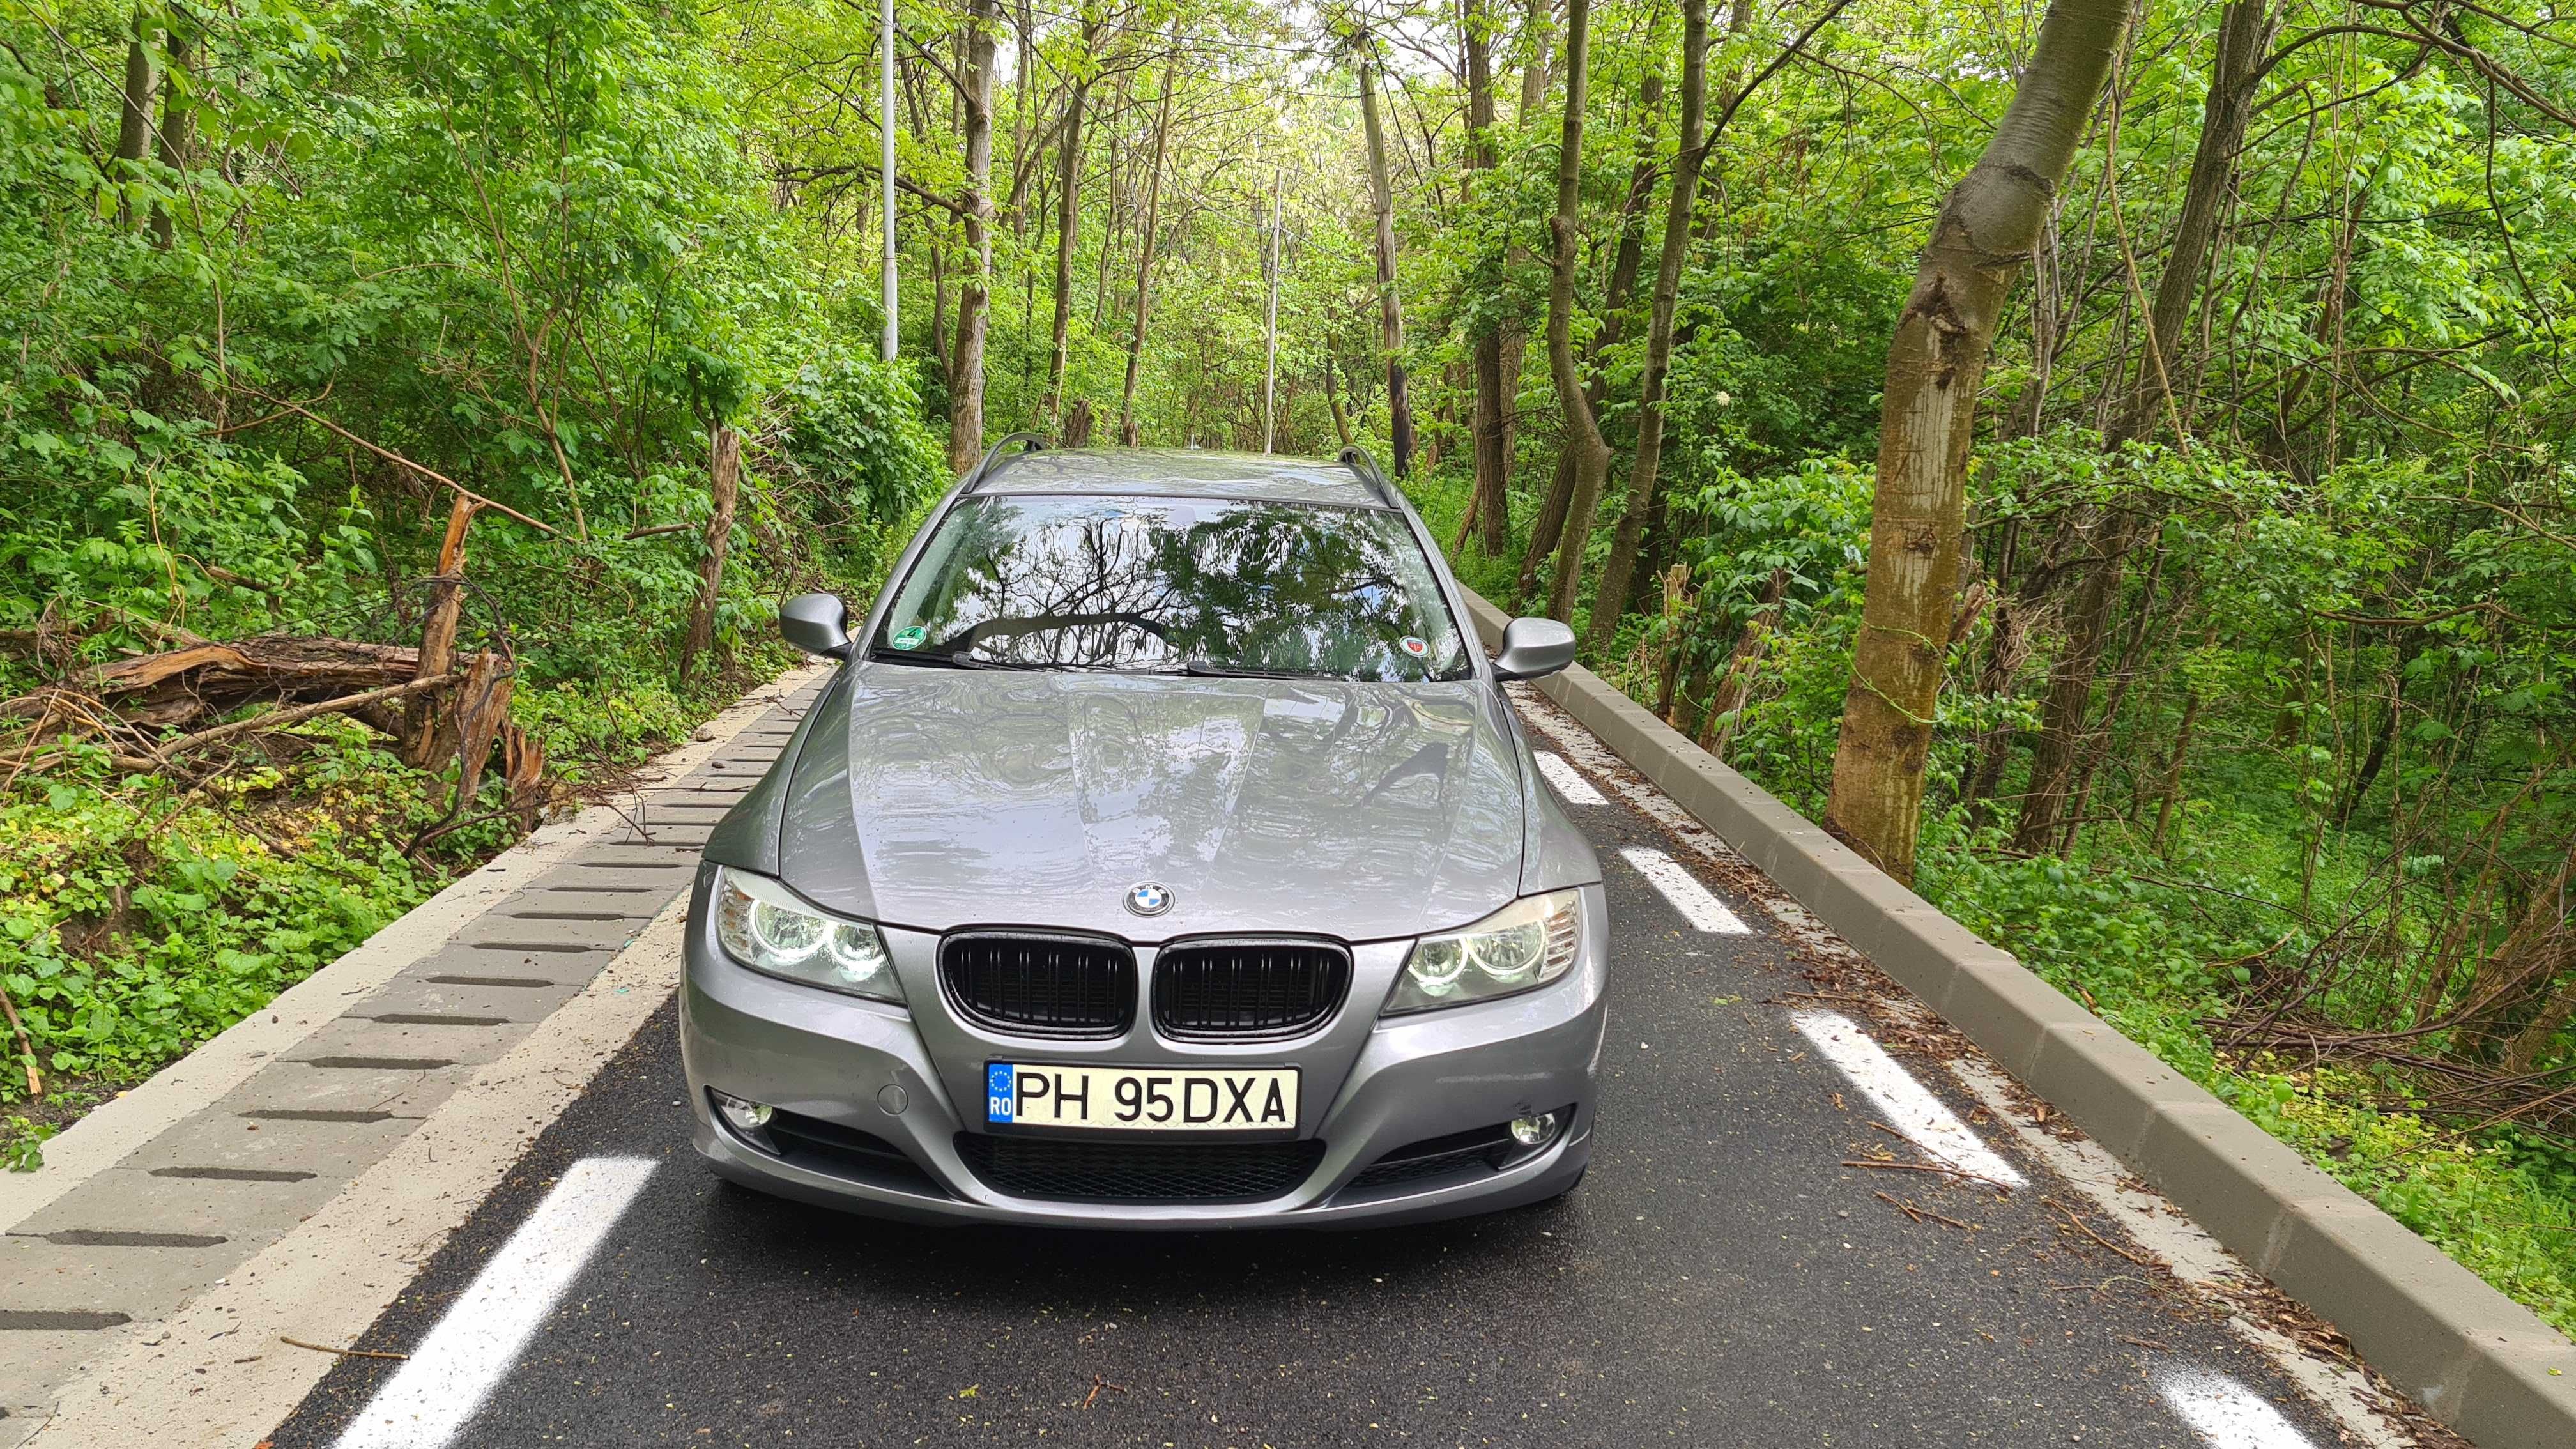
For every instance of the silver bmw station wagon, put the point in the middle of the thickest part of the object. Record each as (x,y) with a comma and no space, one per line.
(1164,855)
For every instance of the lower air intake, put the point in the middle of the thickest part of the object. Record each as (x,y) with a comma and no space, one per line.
(1130,1171)
(828,1147)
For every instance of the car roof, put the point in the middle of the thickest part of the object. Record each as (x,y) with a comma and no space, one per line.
(1182,473)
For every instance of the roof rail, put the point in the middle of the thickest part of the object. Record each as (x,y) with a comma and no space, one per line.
(994,461)
(1358,461)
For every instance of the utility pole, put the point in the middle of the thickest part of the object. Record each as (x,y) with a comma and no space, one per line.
(1270,343)
(885,128)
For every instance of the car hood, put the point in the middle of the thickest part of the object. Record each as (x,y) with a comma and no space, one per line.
(936,798)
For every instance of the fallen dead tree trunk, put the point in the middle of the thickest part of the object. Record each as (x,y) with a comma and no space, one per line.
(132,703)
(279,718)
(179,687)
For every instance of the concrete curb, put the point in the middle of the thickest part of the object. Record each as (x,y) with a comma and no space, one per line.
(169,1190)
(214,1373)
(120,1125)
(2477,1360)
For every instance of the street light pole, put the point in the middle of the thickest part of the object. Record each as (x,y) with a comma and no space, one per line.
(885,118)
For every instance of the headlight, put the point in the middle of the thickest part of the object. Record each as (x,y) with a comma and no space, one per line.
(1528,943)
(766,927)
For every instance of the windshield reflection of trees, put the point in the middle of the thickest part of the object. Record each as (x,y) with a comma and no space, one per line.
(1248,586)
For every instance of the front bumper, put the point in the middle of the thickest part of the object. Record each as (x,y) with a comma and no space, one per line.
(868,1074)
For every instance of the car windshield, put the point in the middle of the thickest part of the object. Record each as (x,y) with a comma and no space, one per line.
(1174,585)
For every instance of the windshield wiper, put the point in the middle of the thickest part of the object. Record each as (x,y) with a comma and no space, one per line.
(1206,669)
(963,660)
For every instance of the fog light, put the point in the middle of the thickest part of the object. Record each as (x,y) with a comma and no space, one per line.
(750,1119)
(1535,1131)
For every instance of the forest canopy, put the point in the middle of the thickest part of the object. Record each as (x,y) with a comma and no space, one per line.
(526,353)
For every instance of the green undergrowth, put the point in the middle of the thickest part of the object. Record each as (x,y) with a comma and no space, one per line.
(141,915)
(2155,961)
(2156,943)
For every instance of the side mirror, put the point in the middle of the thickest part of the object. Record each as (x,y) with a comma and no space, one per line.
(820,624)
(1534,647)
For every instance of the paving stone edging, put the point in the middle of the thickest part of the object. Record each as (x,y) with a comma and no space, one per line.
(2480,1362)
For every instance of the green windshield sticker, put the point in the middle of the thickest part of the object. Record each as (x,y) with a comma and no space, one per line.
(910,638)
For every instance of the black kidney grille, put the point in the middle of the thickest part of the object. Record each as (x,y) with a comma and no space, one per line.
(1133,1171)
(1043,985)
(1248,988)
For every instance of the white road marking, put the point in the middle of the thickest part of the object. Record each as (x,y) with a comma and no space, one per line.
(1909,1107)
(2151,1218)
(2226,1414)
(1576,789)
(1679,886)
(461,1361)
(1577,744)
(2186,1247)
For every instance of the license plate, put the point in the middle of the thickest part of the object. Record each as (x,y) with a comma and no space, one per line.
(1141,1099)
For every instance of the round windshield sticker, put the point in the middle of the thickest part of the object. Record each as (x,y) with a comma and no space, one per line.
(910,638)
(1413,646)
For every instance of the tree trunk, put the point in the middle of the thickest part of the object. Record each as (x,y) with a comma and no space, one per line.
(2244,31)
(1489,504)
(134,119)
(1024,33)
(1333,400)
(1538,33)
(1390,308)
(1630,258)
(1669,657)
(1145,258)
(724,485)
(2389,718)
(178,115)
(421,734)
(1270,316)
(1068,228)
(974,293)
(1558,516)
(2029,414)
(2096,740)
(2054,759)
(1548,526)
(2554,1015)
(1512,336)
(1620,566)
(1726,703)
(1987,226)
(1583,444)
(2541,948)
(939,341)
(1512,346)
(2007,649)
(1113,214)
(2171,791)
(2068,704)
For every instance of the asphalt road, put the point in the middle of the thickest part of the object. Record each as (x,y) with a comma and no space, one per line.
(1719,1278)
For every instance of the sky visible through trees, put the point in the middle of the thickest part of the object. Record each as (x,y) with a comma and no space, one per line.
(2110,462)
